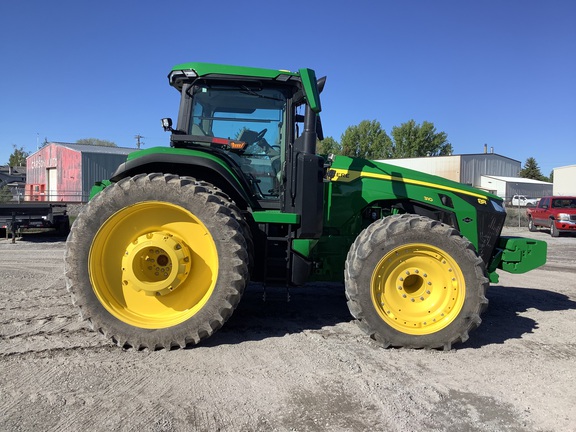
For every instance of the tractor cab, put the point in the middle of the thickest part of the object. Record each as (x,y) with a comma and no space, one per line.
(264,123)
(245,120)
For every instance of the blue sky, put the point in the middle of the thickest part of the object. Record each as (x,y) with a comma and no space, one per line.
(501,73)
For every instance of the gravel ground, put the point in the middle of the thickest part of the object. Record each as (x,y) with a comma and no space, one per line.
(278,365)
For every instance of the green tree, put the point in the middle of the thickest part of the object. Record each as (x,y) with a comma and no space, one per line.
(5,194)
(414,140)
(328,145)
(18,157)
(531,170)
(96,142)
(367,140)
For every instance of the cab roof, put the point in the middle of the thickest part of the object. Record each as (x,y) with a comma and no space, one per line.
(306,78)
(184,71)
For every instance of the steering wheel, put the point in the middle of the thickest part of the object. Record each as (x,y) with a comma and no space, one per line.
(260,135)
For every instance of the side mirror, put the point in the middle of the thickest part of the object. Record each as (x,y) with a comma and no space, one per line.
(320,84)
(167,124)
(310,87)
(319,131)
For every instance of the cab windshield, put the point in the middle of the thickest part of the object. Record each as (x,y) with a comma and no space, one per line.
(251,114)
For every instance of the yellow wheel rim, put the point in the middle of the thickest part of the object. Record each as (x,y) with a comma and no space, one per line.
(153,265)
(418,289)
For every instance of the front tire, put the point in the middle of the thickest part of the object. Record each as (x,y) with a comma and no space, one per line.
(157,261)
(414,282)
(553,230)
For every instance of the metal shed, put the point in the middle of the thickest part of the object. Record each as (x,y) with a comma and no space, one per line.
(14,178)
(67,172)
(507,187)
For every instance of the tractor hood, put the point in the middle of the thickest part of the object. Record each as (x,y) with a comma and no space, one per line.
(358,185)
(346,169)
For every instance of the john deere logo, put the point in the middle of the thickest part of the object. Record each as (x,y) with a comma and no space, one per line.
(336,175)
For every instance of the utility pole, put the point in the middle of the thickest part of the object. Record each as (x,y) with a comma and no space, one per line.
(138,140)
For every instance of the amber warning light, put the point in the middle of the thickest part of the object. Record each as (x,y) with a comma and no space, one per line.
(234,145)
(237,145)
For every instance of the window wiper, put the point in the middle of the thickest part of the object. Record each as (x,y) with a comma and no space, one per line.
(248,91)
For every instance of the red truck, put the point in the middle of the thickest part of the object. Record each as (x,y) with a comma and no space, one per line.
(555,212)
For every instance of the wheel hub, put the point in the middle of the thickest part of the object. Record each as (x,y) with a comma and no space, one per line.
(155,263)
(416,290)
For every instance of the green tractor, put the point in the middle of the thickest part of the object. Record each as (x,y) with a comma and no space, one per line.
(162,253)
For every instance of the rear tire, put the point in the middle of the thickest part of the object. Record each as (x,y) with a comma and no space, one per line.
(414,282)
(157,261)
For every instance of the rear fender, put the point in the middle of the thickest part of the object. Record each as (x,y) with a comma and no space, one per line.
(207,168)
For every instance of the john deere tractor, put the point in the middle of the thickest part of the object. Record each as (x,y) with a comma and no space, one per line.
(161,255)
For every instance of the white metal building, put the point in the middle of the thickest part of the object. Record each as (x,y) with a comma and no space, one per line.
(488,171)
(507,187)
(466,168)
(565,180)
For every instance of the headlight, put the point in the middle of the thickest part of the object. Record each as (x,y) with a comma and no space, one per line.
(563,217)
(497,206)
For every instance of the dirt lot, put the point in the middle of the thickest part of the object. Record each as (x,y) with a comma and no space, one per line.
(301,365)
